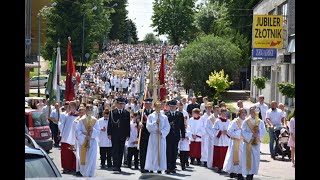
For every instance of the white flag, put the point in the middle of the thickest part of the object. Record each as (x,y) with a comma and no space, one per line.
(57,76)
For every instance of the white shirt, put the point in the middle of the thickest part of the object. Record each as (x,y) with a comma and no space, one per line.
(185,107)
(133,135)
(104,141)
(45,110)
(54,114)
(275,116)
(263,108)
(196,128)
(184,145)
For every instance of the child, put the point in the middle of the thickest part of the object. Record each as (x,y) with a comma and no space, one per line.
(184,149)
(196,131)
(133,142)
(283,138)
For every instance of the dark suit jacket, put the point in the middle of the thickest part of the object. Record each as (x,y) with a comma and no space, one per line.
(144,132)
(119,130)
(176,125)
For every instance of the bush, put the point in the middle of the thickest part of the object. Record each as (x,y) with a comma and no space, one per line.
(287,89)
(260,82)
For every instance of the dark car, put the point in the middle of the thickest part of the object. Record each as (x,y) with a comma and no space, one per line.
(37,162)
(38,128)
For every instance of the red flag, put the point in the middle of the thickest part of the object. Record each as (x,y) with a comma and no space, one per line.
(163,92)
(71,72)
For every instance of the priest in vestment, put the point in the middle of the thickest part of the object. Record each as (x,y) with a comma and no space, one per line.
(157,125)
(232,162)
(253,131)
(88,135)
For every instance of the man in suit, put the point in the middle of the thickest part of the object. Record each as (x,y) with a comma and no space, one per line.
(177,127)
(118,132)
(144,137)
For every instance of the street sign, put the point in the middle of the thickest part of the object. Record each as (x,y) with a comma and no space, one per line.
(28,42)
(264,53)
(267,31)
(87,55)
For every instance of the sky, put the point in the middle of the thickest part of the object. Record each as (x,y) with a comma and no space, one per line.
(140,12)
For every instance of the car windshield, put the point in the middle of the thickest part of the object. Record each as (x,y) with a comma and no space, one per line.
(37,166)
(39,119)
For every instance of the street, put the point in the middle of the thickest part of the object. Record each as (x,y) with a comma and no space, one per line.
(269,170)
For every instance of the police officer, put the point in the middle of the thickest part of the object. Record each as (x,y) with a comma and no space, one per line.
(177,127)
(144,133)
(118,132)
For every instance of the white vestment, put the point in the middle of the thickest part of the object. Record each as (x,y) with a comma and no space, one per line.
(205,138)
(196,128)
(75,124)
(234,131)
(66,128)
(218,126)
(152,151)
(255,153)
(89,168)
(210,132)
(104,141)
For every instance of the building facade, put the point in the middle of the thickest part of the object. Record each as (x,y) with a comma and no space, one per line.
(281,68)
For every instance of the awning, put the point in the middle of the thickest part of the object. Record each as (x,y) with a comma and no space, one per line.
(291,46)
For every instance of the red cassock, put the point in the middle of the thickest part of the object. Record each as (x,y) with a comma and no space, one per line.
(68,159)
(195,149)
(219,156)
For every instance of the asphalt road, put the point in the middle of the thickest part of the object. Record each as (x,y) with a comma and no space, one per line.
(192,172)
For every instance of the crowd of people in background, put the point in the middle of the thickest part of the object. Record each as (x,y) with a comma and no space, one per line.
(106,116)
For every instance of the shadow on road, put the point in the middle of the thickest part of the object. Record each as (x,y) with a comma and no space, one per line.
(123,173)
(264,160)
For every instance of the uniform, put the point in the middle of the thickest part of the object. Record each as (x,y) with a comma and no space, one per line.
(176,121)
(144,138)
(119,130)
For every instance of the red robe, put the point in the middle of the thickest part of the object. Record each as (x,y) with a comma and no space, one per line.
(219,151)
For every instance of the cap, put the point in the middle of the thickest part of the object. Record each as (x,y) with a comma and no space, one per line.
(172,103)
(120,100)
(148,100)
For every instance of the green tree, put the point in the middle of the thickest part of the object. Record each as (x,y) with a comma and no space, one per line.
(287,89)
(260,83)
(220,82)
(150,38)
(131,35)
(119,29)
(174,18)
(213,18)
(66,19)
(201,57)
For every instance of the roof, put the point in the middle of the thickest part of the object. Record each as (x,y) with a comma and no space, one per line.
(29,65)
(257,4)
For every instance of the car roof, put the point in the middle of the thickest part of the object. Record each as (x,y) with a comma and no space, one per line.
(41,76)
(29,150)
(27,98)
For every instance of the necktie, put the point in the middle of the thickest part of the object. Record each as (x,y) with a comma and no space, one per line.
(120,111)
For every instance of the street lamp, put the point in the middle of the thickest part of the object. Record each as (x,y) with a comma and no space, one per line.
(39,29)
(84,15)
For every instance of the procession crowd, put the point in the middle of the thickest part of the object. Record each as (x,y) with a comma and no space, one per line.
(107,117)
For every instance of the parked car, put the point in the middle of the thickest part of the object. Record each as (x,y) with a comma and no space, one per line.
(38,127)
(37,162)
(43,80)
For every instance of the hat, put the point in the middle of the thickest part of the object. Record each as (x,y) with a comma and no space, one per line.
(148,100)
(172,103)
(120,100)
